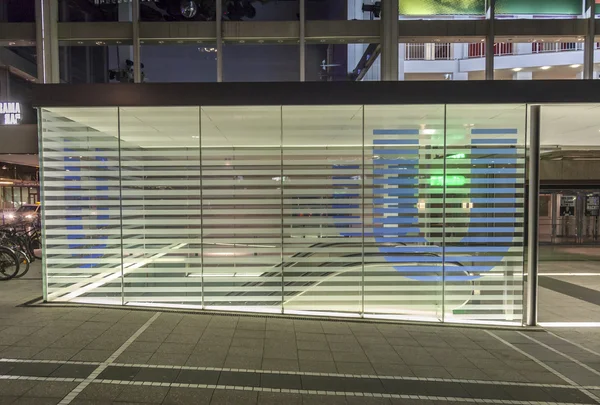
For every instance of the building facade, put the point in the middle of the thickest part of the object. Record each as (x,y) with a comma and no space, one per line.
(397,206)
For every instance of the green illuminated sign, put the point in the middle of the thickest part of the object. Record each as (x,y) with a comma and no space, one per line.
(477,7)
(450,181)
(441,7)
(457,156)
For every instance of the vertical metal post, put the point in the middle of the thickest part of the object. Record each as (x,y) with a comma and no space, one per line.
(137,54)
(589,44)
(489,40)
(554,207)
(46,12)
(533,215)
(302,41)
(40,129)
(219,27)
(53,48)
(389,40)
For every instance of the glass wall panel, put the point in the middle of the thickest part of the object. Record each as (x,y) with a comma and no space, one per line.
(80,152)
(95,63)
(332,61)
(171,63)
(178,10)
(241,208)
(484,202)
(261,63)
(331,10)
(15,11)
(404,172)
(95,10)
(8,197)
(322,208)
(408,212)
(160,183)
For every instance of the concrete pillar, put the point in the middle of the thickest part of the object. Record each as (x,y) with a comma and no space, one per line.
(302,41)
(48,70)
(588,50)
(459,51)
(137,52)
(219,35)
(523,76)
(401,59)
(389,40)
(595,75)
(489,40)
(429,51)
(522,48)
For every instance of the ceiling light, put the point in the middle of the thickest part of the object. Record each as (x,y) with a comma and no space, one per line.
(517,69)
(545,67)
(575,66)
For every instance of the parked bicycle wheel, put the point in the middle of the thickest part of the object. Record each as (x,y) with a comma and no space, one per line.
(9,264)
(35,246)
(24,262)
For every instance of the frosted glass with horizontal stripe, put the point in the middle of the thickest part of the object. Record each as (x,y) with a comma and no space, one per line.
(322,208)
(407,212)
(404,218)
(162,219)
(82,216)
(241,208)
(486,153)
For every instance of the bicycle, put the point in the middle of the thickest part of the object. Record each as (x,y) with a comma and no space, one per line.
(9,264)
(23,244)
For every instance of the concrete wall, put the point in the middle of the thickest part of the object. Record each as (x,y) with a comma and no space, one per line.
(570,170)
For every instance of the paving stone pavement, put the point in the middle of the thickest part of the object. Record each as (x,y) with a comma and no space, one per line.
(90,355)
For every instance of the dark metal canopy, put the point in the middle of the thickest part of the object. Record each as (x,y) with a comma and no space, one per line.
(316,93)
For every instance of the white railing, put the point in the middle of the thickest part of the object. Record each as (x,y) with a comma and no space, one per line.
(415,52)
(441,51)
(477,50)
(543,47)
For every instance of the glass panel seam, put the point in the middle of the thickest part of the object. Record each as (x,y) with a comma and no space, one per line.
(444,171)
(201,207)
(363,217)
(120,204)
(282,264)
